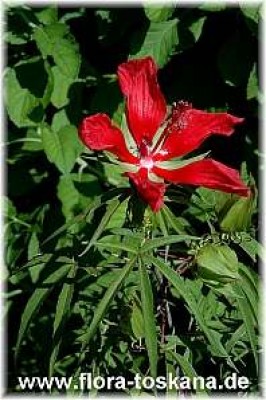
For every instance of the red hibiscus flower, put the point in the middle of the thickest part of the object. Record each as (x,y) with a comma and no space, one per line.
(160,140)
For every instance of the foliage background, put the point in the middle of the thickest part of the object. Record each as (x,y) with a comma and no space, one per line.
(61,64)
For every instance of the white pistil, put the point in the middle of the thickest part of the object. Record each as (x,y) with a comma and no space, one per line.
(146,162)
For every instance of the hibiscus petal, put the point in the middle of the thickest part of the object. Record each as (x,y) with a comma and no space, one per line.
(190,127)
(146,106)
(98,133)
(208,173)
(151,192)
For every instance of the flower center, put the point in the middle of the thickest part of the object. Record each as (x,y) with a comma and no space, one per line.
(146,162)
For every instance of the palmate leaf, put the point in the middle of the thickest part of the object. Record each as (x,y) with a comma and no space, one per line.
(105,303)
(148,317)
(216,346)
(36,300)
(160,41)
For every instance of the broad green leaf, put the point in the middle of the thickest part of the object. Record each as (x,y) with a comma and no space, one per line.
(178,283)
(61,315)
(238,217)
(152,244)
(217,263)
(62,148)
(67,58)
(105,303)
(160,41)
(158,13)
(47,36)
(68,195)
(20,103)
(253,84)
(60,91)
(148,317)
(60,119)
(47,15)
(36,300)
(247,316)
(54,40)
(28,88)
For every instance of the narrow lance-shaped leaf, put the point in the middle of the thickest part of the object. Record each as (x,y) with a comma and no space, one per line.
(100,201)
(247,316)
(158,242)
(105,303)
(184,292)
(149,319)
(61,315)
(111,208)
(36,301)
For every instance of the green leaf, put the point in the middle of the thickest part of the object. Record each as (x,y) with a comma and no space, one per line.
(60,119)
(217,263)
(152,244)
(61,315)
(54,40)
(252,15)
(149,320)
(216,346)
(67,58)
(36,300)
(253,248)
(159,43)
(253,84)
(62,148)
(47,36)
(88,212)
(110,210)
(136,320)
(116,246)
(238,217)
(247,316)
(105,303)
(68,195)
(158,14)
(20,103)
(187,368)
(212,7)
(47,15)
(60,91)
(249,285)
